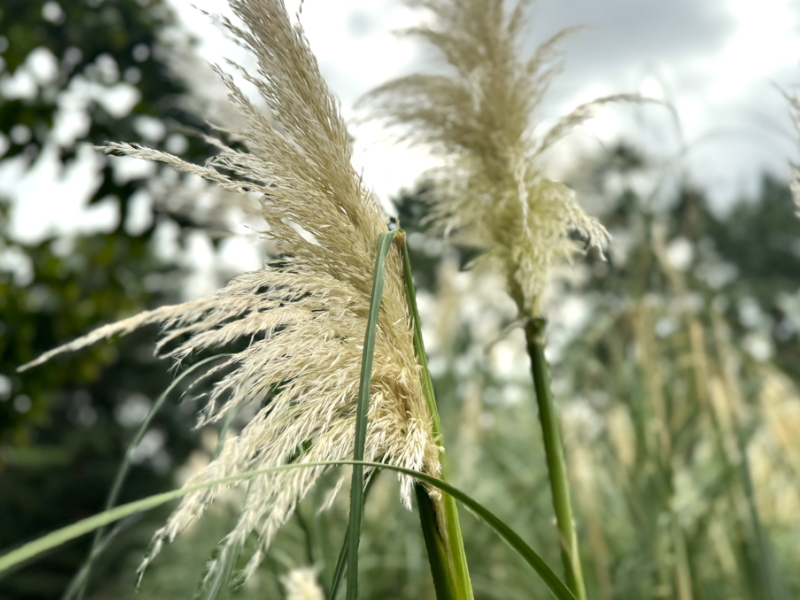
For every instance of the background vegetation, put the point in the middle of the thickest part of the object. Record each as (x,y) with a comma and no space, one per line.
(675,368)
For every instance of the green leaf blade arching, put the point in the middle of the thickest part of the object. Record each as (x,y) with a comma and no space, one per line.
(52,540)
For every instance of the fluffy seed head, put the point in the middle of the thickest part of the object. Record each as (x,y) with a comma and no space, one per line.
(480,119)
(304,315)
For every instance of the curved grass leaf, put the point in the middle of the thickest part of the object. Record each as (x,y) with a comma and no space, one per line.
(77,580)
(446,554)
(56,538)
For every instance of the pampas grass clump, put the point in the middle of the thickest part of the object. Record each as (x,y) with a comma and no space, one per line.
(480,119)
(305,314)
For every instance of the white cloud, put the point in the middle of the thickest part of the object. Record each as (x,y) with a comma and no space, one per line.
(51,198)
(715,60)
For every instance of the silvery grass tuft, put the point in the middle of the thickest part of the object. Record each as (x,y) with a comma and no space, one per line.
(480,118)
(305,315)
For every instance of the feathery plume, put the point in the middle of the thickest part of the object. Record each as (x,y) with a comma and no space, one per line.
(305,315)
(480,118)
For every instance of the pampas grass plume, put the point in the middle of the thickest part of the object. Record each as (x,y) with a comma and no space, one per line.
(305,315)
(480,117)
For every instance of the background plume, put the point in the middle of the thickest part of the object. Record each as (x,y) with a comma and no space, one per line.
(480,116)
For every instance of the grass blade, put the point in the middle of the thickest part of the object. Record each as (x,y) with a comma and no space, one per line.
(124,466)
(77,580)
(52,540)
(444,583)
(211,589)
(341,562)
(362,409)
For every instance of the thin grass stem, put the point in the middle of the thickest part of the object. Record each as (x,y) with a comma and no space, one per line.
(444,581)
(341,562)
(77,580)
(456,578)
(554,452)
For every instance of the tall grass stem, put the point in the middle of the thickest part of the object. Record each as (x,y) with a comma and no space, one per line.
(362,409)
(554,452)
(444,581)
(458,580)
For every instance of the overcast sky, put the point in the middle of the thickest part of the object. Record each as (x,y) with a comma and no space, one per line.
(717,61)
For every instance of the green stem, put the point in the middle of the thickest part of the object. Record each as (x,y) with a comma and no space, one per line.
(341,562)
(554,452)
(362,411)
(444,581)
(446,553)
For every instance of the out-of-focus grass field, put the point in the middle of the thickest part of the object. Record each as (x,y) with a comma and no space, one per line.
(675,365)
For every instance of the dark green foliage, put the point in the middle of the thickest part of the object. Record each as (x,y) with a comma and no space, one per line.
(60,456)
(761,237)
(108,43)
(61,435)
